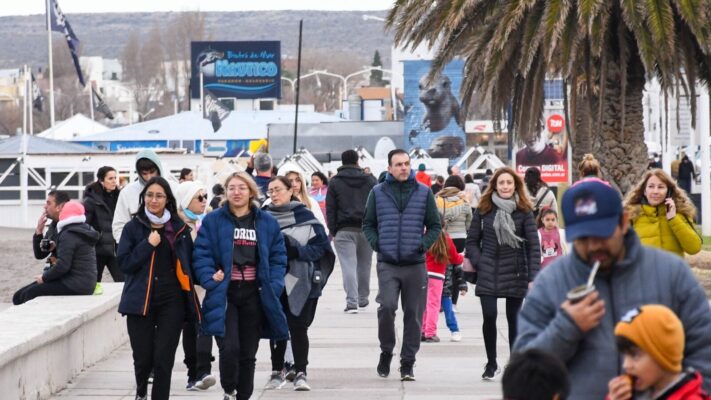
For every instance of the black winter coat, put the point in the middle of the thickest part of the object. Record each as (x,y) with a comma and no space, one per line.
(503,271)
(76,259)
(136,259)
(346,198)
(99,210)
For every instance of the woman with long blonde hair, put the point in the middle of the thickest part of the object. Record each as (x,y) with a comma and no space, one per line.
(502,243)
(662,214)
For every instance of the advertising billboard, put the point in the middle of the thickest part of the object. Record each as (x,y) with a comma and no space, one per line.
(433,119)
(547,151)
(244,70)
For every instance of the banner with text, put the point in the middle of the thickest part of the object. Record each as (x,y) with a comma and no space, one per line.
(547,151)
(244,70)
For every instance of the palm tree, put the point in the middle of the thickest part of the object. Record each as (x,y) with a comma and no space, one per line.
(605,51)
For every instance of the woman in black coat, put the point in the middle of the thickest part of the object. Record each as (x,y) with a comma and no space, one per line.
(155,254)
(502,244)
(99,204)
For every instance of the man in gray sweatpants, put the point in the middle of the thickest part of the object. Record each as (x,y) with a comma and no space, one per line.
(397,213)
(345,205)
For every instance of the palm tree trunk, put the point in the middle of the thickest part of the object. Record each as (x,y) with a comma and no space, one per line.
(620,150)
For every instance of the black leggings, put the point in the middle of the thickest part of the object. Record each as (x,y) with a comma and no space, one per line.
(459,244)
(34,289)
(298,330)
(489,310)
(111,263)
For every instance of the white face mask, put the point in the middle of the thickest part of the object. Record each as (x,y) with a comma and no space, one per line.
(656,159)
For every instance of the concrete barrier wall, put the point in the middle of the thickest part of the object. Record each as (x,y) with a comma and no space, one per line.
(49,340)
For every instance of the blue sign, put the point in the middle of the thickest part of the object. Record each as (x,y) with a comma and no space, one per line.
(434,121)
(244,70)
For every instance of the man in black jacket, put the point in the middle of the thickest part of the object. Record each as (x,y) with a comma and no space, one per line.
(345,205)
(73,270)
(45,244)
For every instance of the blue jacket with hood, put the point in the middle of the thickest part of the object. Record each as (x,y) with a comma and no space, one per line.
(213,248)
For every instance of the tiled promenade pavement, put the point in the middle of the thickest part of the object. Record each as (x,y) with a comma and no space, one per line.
(343,356)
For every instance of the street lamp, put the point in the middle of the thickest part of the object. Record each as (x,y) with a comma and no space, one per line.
(367,17)
(291,82)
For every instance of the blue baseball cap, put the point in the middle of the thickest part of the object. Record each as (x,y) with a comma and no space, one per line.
(591,208)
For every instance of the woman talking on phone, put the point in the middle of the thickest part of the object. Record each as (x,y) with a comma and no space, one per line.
(154,254)
(240,259)
(662,214)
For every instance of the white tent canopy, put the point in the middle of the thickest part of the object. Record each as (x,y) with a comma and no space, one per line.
(77,126)
(189,125)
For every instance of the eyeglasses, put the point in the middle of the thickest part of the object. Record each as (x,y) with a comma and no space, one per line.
(155,196)
(275,191)
(202,197)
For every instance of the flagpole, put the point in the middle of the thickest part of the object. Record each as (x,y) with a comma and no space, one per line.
(30,104)
(51,70)
(91,99)
(24,100)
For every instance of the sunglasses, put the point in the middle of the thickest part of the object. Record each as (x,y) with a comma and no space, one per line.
(202,197)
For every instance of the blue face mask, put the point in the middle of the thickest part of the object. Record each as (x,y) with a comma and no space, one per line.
(193,216)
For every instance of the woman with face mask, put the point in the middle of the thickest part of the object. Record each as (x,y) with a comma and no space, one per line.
(502,244)
(310,262)
(662,214)
(192,208)
(155,254)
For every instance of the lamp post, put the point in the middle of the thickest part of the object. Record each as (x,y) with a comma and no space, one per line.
(292,82)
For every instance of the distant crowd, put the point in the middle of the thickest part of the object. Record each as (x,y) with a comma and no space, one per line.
(605,308)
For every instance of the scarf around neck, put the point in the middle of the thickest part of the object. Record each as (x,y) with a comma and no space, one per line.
(156,219)
(503,222)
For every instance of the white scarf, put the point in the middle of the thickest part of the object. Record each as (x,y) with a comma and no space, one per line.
(156,220)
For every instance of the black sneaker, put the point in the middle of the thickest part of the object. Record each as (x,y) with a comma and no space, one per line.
(363,304)
(490,371)
(432,339)
(406,373)
(384,364)
(351,309)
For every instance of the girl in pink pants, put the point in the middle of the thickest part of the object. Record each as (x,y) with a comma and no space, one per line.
(441,253)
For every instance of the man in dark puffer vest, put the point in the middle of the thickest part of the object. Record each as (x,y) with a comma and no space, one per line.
(401,222)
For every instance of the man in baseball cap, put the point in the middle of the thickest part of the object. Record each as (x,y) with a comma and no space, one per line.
(581,333)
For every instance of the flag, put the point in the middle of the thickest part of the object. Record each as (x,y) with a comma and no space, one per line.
(37,97)
(215,111)
(59,23)
(100,105)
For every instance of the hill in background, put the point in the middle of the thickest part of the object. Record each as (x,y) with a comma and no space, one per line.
(23,39)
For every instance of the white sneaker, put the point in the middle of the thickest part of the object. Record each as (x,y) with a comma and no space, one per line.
(454,309)
(456,336)
(300,383)
(230,396)
(276,381)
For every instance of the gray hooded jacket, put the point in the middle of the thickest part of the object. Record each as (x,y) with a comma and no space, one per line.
(127,203)
(646,276)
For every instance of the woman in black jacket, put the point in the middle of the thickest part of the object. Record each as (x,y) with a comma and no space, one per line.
(155,255)
(502,243)
(99,204)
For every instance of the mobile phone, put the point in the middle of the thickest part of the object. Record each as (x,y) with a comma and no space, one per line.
(670,192)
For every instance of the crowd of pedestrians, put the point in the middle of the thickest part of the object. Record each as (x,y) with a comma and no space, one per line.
(253,263)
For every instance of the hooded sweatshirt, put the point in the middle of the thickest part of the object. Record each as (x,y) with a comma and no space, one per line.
(127,203)
(347,194)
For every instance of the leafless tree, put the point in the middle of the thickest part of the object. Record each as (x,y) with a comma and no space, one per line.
(143,60)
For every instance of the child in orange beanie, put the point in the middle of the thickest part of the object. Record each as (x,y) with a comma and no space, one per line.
(651,340)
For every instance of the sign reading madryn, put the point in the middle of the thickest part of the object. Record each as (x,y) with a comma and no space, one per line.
(244,70)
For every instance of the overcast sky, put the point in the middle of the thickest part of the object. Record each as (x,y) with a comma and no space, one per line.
(26,7)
